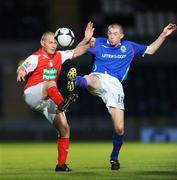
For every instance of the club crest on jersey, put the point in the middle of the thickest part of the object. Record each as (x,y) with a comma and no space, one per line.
(123,49)
(50,63)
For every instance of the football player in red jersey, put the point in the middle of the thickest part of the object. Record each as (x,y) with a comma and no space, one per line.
(40,71)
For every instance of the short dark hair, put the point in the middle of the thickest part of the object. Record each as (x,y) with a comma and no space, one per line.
(116,25)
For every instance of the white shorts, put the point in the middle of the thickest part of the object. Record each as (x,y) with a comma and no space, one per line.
(111,91)
(33,97)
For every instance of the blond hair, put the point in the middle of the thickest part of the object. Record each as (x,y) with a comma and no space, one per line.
(46,34)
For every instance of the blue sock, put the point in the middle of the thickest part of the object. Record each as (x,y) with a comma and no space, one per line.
(81,82)
(117,143)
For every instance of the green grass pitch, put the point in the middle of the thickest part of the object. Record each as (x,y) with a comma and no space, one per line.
(89,160)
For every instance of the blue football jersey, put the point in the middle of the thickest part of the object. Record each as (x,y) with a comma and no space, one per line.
(114,61)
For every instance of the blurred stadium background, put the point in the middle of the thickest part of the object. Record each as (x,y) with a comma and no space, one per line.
(151,88)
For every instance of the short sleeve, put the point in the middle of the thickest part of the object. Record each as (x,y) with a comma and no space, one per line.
(138,49)
(30,63)
(98,42)
(65,55)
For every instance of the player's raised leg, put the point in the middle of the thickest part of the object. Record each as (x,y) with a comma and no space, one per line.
(75,81)
(51,91)
(71,76)
(68,100)
(90,82)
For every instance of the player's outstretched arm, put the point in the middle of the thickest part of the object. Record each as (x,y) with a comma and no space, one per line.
(80,50)
(158,42)
(86,43)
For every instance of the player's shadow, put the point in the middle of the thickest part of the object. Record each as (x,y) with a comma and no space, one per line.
(83,173)
(159,173)
(94,170)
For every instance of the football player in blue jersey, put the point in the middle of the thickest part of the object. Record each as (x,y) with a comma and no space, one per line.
(112,59)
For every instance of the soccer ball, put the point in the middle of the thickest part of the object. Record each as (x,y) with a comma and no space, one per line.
(65,37)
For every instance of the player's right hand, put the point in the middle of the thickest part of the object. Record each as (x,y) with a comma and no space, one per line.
(21,76)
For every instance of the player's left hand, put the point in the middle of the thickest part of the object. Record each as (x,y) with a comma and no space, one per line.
(169,29)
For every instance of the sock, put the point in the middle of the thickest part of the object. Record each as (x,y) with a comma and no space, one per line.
(81,82)
(55,95)
(63,147)
(117,143)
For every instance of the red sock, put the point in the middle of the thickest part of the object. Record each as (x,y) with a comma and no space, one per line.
(55,95)
(63,147)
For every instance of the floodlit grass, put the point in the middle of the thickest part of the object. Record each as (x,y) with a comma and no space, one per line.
(89,160)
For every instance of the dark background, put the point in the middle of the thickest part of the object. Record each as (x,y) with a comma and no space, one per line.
(151,87)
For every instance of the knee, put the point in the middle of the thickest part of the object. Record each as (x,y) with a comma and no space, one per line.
(51,83)
(119,130)
(92,82)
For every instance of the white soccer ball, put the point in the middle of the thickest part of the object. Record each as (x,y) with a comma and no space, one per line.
(65,37)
